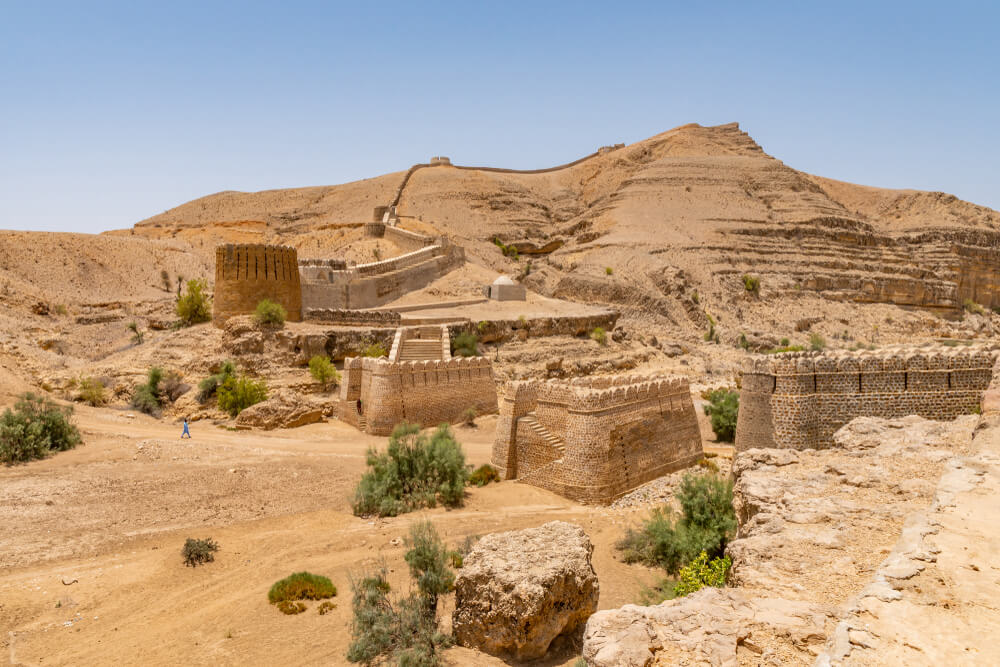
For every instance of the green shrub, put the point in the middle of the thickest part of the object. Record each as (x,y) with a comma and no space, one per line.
(428,560)
(301,586)
(743,342)
(599,335)
(465,344)
(238,394)
(137,335)
(694,296)
(325,607)
(469,416)
(701,572)
(971,306)
(751,284)
(816,342)
(723,408)
(35,428)
(146,397)
(787,348)
(199,551)
(208,386)
(270,313)
(483,475)
(784,342)
(415,471)
(323,371)
(374,349)
(92,391)
(608,270)
(707,522)
(507,250)
(193,306)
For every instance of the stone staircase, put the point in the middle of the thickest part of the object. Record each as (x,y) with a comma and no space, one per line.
(362,424)
(417,349)
(545,434)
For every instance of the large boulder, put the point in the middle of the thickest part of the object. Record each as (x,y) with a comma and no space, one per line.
(284,409)
(519,590)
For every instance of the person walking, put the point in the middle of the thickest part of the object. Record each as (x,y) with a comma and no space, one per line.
(186,431)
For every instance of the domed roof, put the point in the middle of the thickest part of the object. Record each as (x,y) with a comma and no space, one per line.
(504,280)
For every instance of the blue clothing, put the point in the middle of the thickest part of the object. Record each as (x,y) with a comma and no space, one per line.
(186,431)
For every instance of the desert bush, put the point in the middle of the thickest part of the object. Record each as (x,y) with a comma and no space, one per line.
(193,306)
(722,409)
(702,572)
(374,348)
(708,464)
(301,586)
(428,560)
(92,391)
(414,471)
(816,342)
(61,309)
(270,313)
(146,397)
(707,522)
(506,250)
(711,335)
(325,607)
(137,335)
(196,552)
(599,335)
(784,342)
(694,296)
(208,386)
(483,475)
(608,270)
(971,306)
(165,278)
(743,342)
(238,394)
(469,416)
(405,632)
(323,371)
(34,428)
(465,344)
(751,284)
(290,608)
(173,386)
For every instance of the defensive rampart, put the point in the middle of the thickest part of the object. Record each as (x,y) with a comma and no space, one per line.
(798,400)
(377,394)
(595,439)
(353,318)
(246,274)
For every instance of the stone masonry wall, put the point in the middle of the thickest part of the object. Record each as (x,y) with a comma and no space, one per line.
(798,400)
(427,393)
(613,434)
(246,274)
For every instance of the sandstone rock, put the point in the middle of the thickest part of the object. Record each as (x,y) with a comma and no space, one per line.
(242,336)
(284,409)
(520,590)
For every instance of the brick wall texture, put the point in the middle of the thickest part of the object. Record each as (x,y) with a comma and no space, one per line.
(798,400)
(246,274)
(594,439)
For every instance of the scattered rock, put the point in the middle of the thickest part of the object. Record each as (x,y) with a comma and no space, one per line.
(520,590)
(284,409)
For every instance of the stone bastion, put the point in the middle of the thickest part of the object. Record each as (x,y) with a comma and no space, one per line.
(247,274)
(798,400)
(594,439)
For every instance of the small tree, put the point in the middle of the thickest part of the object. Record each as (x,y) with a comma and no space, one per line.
(722,409)
(165,277)
(323,371)
(428,560)
(147,397)
(35,428)
(238,394)
(270,313)
(465,344)
(193,306)
(137,335)
(208,387)
(92,391)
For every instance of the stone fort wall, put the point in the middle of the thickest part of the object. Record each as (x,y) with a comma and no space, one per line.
(798,400)
(246,274)
(427,393)
(594,439)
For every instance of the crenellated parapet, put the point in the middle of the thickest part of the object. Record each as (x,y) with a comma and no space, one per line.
(799,399)
(247,274)
(595,439)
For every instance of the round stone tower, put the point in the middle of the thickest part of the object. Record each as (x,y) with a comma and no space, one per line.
(246,274)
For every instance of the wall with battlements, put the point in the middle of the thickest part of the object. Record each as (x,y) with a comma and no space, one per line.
(246,274)
(594,439)
(798,400)
(420,392)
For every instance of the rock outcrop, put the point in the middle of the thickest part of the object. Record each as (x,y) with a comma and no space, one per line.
(520,590)
(284,409)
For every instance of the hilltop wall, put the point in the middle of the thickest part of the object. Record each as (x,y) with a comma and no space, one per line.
(427,393)
(594,439)
(246,274)
(798,400)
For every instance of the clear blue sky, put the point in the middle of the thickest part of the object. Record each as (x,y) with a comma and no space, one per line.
(112,112)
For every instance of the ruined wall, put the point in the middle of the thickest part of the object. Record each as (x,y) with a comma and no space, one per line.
(246,274)
(594,439)
(352,318)
(798,400)
(421,392)
(408,241)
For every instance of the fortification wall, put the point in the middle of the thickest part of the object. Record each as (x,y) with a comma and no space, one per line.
(492,331)
(421,392)
(352,318)
(593,440)
(246,274)
(408,241)
(798,400)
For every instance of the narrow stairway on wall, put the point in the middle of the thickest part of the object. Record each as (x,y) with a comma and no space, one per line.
(417,349)
(545,434)
(362,424)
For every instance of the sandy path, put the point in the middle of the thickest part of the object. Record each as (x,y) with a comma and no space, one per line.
(114,516)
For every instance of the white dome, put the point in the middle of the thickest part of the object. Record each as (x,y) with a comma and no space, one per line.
(504,280)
